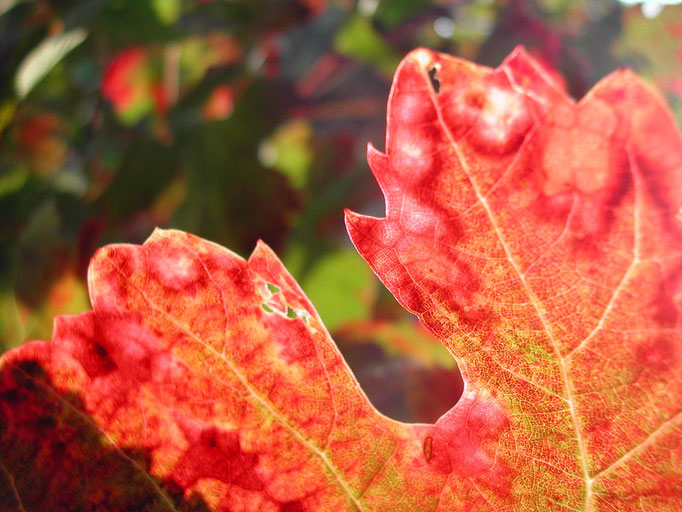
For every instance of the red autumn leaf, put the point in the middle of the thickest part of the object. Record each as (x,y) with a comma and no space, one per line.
(539,238)
(220,104)
(125,82)
(132,85)
(39,142)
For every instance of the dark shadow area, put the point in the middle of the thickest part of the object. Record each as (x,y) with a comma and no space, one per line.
(53,459)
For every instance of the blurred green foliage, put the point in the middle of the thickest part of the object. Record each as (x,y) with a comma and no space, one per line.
(238,120)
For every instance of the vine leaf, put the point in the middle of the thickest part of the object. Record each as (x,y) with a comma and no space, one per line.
(538,237)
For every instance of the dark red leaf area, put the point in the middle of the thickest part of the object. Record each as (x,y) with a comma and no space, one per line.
(459,444)
(81,468)
(78,471)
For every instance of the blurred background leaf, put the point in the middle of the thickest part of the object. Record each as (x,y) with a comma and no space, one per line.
(244,120)
(44,57)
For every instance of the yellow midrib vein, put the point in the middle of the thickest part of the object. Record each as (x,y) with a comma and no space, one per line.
(534,301)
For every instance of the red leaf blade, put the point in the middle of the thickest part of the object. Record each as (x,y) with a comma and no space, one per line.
(541,239)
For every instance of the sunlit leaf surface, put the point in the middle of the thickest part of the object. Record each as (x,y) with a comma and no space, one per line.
(538,237)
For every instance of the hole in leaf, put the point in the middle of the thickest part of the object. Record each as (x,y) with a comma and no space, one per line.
(273,288)
(433,76)
(291,313)
(405,371)
(267,308)
(401,387)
